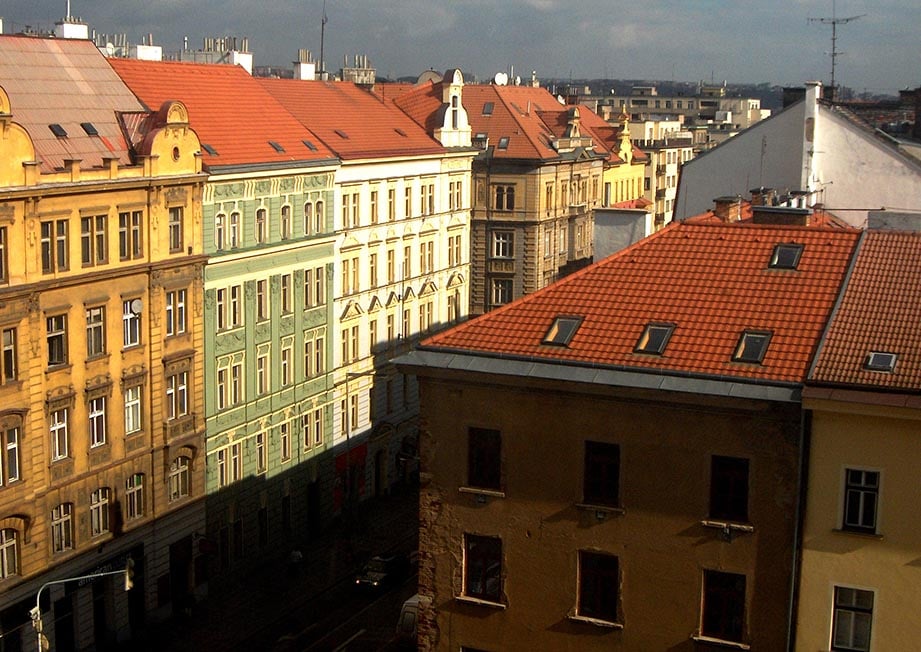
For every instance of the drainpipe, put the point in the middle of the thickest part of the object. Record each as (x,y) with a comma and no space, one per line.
(805,437)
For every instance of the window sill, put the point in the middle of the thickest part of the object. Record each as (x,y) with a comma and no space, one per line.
(603,510)
(729,526)
(479,602)
(597,622)
(721,642)
(858,533)
(476,491)
(64,366)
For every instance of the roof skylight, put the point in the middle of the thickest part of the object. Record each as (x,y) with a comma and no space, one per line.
(89,128)
(752,346)
(880,361)
(401,132)
(562,330)
(654,339)
(277,147)
(209,149)
(309,145)
(341,134)
(503,142)
(786,256)
(487,108)
(58,130)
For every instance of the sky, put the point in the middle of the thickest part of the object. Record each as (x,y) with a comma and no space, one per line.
(739,41)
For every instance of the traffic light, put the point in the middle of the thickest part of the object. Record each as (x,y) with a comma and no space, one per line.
(129,573)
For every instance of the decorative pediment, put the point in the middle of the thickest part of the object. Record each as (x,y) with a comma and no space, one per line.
(352,311)
(455,280)
(375,305)
(393,300)
(427,289)
(408,294)
(350,242)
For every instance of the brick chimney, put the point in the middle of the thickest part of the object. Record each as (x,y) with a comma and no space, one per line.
(762,196)
(728,208)
(780,215)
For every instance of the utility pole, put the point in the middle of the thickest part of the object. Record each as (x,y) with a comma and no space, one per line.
(834,21)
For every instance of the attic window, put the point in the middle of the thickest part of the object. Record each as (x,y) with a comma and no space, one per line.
(654,339)
(401,132)
(752,346)
(58,130)
(880,361)
(278,148)
(562,330)
(309,145)
(503,142)
(341,134)
(89,128)
(209,149)
(487,108)
(786,256)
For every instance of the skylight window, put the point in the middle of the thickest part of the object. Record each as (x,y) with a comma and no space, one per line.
(503,142)
(341,134)
(752,346)
(58,130)
(209,149)
(487,108)
(89,128)
(278,148)
(786,256)
(309,145)
(654,339)
(880,361)
(562,331)
(401,132)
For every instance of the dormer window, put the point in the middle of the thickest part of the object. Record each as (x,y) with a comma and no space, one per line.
(786,256)
(880,361)
(752,346)
(654,339)
(562,330)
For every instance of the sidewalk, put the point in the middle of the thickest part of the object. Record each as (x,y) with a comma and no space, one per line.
(262,598)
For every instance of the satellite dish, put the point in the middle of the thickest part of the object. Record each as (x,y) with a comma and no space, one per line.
(136,306)
(501,79)
(517,81)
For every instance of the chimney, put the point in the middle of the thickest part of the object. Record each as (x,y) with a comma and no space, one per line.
(728,208)
(762,196)
(780,215)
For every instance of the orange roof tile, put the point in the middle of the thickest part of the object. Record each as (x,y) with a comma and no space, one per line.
(230,111)
(879,312)
(351,121)
(68,83)
(711,281)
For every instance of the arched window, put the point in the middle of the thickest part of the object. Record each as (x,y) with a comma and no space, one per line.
(220,235)
(179,478)
(319,218)
(9,553)
(234,230)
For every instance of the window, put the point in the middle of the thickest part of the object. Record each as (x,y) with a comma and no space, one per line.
(286,365)
(262,374)
(654,339)
(454,251)
(236,462)
(601,483)
(9,451)
(488,108)
(95,331)
(10,370)
(4,256)
(220,231)
(308,218)
(262,226)
(287,300)
(729,488)
(426,312)
(484,458)
(503,244)
(284,438)
(9,553)
(427,257)
(59,437)
(504,198)
(175,229)
(234,230)
(175,312)
(236,383)
(372,264)
(407,262)
(93,240)
(99,511)
(221,389)
(861,496)
(96,408)
(220,308)
(483,567)
(350,210)
(261,455)
(131,322)
(752,346)
(880,361)
(285,222)
(57,340)
(599,585)
(179,478)
(391,265)
(134,496)
(853,618)
(130,230)
(221,466)
(133,409)
(374,218)
(786,256)
(723,607)
(262,300)
(407,200)
(177,395)
(54,246)
(501,291)
(62,528)
(391,204)
(236,306)
(562,330)
(314,287)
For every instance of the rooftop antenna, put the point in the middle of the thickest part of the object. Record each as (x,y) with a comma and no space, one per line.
(322,37)
(834,21)
(67,17)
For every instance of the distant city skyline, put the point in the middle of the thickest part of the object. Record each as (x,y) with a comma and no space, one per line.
(705,40)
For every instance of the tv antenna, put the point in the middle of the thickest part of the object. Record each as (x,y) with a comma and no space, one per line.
(834,21)
(323,22)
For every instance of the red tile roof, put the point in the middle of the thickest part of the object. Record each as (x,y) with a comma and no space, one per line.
(819,217)
(351,121)
(880,311)
(229,110)
(712,281)
(65,82)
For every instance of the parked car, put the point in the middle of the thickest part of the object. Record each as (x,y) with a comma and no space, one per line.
(382,571)
(407,625)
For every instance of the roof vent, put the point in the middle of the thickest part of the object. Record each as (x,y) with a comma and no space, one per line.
(309,145)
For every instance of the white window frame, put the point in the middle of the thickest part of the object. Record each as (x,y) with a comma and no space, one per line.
(131,325)
(99,511)
(134,496)
(133,409)
(96,415)
(62,528)
(180,478)
(58,428)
